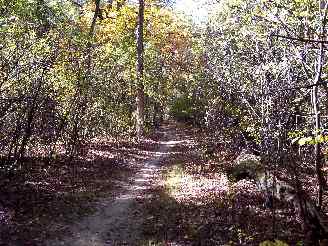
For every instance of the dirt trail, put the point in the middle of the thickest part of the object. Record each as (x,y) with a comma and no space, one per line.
(118,221)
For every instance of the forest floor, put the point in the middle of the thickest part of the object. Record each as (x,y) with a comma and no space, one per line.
(118,220)
(159,191)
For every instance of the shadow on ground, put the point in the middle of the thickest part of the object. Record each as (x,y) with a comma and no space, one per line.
(38,201)
(204,211)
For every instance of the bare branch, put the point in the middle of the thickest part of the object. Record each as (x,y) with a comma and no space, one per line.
(297,87)
(301,39)
(76,4)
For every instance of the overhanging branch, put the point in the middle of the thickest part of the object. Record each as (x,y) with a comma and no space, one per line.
(297,87)
(300,39)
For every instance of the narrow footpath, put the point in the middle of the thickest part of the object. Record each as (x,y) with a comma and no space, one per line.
(118,221)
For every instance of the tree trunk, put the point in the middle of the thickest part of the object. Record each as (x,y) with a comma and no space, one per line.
(94,19)
(140,97)
(316,110)
(156,115)
(82,97)
(317,147)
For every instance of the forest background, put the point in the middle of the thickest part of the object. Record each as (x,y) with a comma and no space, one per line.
(252,74)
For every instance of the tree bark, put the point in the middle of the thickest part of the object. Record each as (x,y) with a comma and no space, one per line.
(316,111)
(94,20)
(140,97)
(81,98)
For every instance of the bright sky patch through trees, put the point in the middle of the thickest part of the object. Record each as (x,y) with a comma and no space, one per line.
(197,10)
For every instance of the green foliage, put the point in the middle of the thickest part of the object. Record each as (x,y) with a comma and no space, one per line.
(303,138)
(187,109)
(61,86)
(245,166)
(312,140)
(182,108)
(82,86)
(275,243)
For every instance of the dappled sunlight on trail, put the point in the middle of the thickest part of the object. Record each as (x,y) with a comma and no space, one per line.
(174,142)
(118,220)
(196,202)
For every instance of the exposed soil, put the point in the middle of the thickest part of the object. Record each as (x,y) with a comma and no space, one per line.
(118,219)
(164,190)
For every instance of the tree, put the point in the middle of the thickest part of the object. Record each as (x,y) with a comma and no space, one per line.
(266,58)
(140,101)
